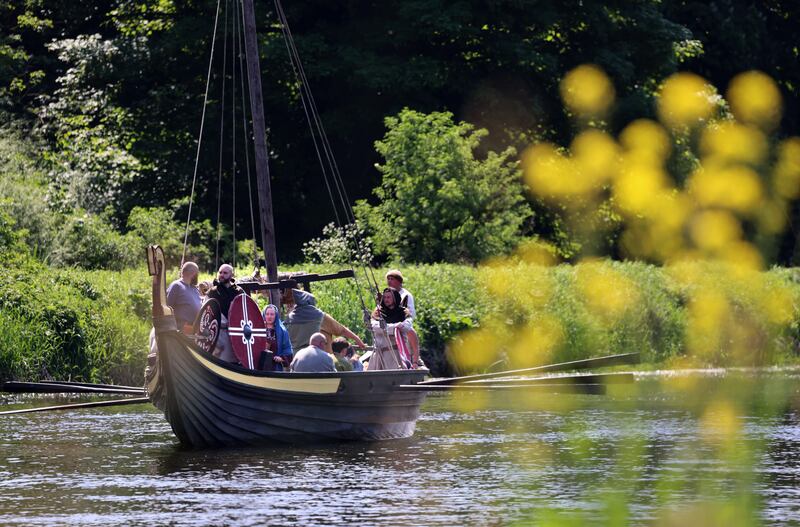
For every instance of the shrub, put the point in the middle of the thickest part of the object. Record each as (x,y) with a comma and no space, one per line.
(437,202)
(339,245)
(90,242)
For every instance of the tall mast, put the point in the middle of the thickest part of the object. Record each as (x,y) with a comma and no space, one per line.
(260,139)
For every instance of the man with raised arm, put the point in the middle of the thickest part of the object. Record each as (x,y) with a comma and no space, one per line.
(184,298)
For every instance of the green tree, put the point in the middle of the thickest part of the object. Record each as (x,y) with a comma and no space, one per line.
(437,201)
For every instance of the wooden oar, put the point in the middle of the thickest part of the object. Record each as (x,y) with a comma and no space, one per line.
(52,387)
(93,385)
(593,389)
(598,362)
(597,378)
(78,406)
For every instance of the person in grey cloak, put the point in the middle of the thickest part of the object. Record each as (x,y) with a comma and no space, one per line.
(304,318)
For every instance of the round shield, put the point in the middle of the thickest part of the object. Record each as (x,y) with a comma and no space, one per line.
(207,325)
(247,330)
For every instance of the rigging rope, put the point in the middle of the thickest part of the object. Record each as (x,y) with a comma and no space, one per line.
(315,122)
(200,138)
(221,136)
(233,126)
(318,130)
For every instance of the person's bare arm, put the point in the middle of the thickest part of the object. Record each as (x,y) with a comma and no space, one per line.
(349,334)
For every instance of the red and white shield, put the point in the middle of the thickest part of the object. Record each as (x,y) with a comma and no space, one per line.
(207,325)
(247,330)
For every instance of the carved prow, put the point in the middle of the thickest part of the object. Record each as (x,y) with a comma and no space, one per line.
(155,266)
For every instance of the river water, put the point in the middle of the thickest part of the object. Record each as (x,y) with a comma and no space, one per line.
(655,452)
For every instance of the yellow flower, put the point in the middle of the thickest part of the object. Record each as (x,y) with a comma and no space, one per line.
(597,156)
(714,229)
(536,343)
(734,142)
(787,169)
(755,99)
(637,188)
(686,99)
(646,139)
(734,187)
(587,91)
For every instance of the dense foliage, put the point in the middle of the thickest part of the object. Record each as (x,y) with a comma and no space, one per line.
(437,202)
(115,87)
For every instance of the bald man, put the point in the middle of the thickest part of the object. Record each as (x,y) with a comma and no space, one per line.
(225,288)
(313,358)
(184,298)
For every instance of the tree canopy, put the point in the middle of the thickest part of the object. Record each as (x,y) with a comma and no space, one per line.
(115,87)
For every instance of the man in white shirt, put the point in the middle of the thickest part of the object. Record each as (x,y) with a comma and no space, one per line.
(394,279)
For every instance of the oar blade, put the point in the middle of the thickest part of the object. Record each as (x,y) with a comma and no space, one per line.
(584,364)
(79,406)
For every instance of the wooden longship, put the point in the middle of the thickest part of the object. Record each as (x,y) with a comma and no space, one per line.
(211,403)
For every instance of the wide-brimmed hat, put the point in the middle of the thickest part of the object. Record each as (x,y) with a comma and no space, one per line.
(397,274)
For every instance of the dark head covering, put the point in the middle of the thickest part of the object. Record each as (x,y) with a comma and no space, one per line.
(394,314)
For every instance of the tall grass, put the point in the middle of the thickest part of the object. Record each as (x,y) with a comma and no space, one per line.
(93,325)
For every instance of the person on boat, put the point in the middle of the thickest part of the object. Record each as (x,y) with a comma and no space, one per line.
(331,328)
(224,291)
(313,358)
(340,345)
(225,288)
(354,359)
(204,287)
(184,298)
(277,340)
(394,279)
(346,358)
(388,318)
(304,318)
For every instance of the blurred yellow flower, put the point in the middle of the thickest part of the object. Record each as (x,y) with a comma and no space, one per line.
(638,187)
(536,343)
(735,187)
(734,142)
(550,174)
(473,350)
(720,422)
(712,230)
(686,99)
(708,317)
(787,169)
(648,139)
(597,156)
(778,305)
(755,99)
(607,292)
(536,252)
(742,255)
(587,91)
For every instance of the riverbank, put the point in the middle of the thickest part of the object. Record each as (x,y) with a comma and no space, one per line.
(93,325)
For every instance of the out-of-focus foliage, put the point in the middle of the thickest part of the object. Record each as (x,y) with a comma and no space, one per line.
(437,201)
(729,208)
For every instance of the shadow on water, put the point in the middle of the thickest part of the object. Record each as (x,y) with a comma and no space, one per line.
(482,459)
